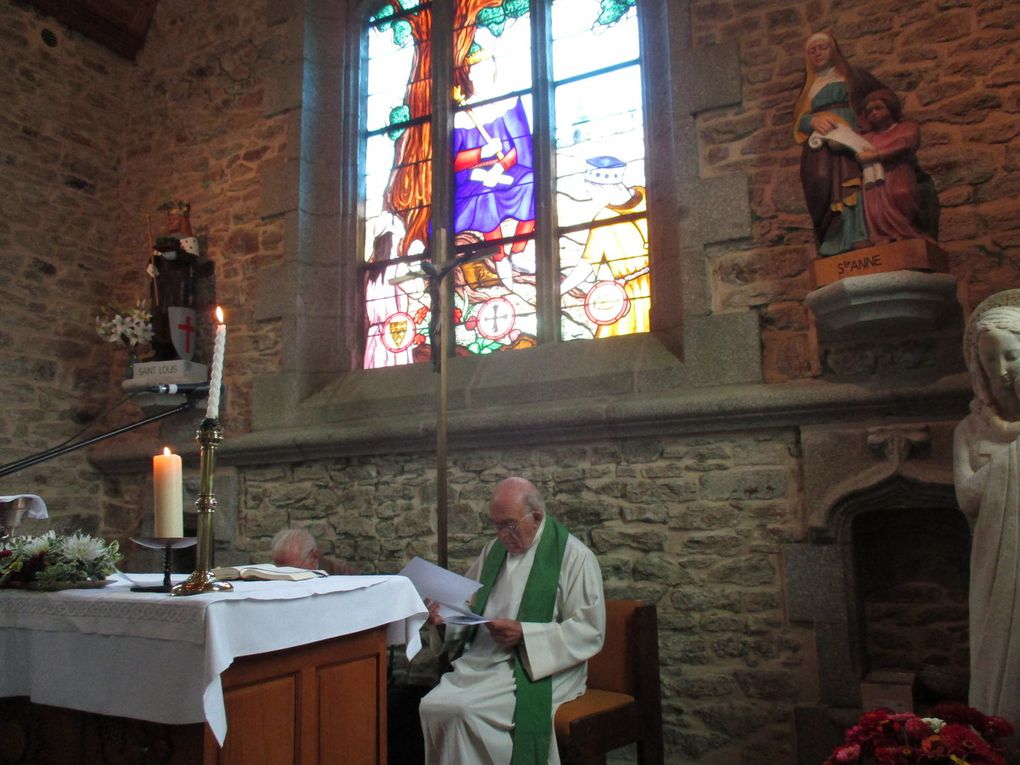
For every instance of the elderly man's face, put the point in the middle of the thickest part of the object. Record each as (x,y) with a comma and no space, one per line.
(515,525)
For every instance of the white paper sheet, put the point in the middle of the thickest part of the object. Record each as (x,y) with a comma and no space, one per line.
(452,591)
(458,616)
(844,135)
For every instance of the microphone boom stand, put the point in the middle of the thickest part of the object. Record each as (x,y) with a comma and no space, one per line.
(35,459)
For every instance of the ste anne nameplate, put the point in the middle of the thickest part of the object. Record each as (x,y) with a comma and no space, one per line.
(916,254)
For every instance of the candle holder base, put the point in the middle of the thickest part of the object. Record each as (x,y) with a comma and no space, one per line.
(199,582)
(168,545)
(209,436)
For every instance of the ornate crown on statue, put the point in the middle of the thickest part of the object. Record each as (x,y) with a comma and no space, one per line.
(178,207)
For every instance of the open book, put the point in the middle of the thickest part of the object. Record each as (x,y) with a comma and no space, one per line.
(266,571)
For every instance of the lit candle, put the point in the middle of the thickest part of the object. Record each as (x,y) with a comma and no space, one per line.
(168,488)
(216,377)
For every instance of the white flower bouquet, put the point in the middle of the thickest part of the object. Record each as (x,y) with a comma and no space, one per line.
(51,561)
(131,327)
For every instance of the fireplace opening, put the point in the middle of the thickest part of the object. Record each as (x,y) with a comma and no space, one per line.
(912,572)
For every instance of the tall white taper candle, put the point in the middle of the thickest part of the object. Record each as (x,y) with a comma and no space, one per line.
(216,376)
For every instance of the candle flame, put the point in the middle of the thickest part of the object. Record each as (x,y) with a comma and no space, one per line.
(219,314)
(166,451)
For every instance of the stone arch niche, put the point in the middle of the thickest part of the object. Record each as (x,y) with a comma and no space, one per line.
(911,575)
(881,571)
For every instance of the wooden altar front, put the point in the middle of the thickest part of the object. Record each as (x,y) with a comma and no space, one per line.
(322,702)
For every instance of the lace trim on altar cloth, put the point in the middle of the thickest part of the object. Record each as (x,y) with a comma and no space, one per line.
(162,619)
(116,611)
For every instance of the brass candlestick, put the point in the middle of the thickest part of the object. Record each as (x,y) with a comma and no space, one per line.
(209,436)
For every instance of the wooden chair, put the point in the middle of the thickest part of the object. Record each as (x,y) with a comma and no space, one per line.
(623,703)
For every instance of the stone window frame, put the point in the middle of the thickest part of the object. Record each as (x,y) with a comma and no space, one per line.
(313,187)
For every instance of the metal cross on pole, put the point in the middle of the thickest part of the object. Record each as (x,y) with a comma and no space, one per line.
(441,339)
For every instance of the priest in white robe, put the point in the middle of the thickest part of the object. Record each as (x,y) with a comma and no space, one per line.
(547,611)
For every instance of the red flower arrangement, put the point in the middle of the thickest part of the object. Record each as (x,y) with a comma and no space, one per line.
(955,734)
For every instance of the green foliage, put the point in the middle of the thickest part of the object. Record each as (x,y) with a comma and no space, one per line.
(398,114)
(613,11)
(495,19)
(402,33)
(401,28)
(516,8)
(49,559)
(383,13)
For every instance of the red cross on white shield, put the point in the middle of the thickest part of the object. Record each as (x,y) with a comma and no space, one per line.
(182,326)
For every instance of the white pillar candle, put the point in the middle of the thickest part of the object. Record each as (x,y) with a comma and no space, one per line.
(168,488)
(216,376)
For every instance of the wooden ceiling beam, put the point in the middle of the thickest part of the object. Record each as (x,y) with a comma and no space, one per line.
(120,25)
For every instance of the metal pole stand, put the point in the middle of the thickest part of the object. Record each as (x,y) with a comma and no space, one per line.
(209,436)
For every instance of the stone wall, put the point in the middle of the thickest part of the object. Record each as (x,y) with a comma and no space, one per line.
(60,139)
(692,524)
(92,146)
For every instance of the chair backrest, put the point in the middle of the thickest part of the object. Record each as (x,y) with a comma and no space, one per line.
(629,664)
(613,668)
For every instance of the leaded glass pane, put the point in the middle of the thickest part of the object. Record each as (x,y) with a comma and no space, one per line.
(494,303)
(494,177)
(501,48)
(601,206)
(592,34)
(597,116)
(397,313)
(606,286)
(494,180)
(378,198)
(397,182)
(390,59)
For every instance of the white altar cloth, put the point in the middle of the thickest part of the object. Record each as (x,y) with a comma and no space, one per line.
(151,656)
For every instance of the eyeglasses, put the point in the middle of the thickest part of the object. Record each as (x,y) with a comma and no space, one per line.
(511,526)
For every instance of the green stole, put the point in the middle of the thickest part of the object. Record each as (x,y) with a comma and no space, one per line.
(533,710)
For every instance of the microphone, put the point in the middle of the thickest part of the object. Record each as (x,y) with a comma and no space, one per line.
(173,388)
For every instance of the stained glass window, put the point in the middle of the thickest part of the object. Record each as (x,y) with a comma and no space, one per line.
(564,257)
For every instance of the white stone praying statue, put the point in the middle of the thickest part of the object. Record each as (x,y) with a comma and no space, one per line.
(987,477)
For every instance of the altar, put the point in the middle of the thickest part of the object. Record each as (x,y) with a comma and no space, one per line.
(287,671)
